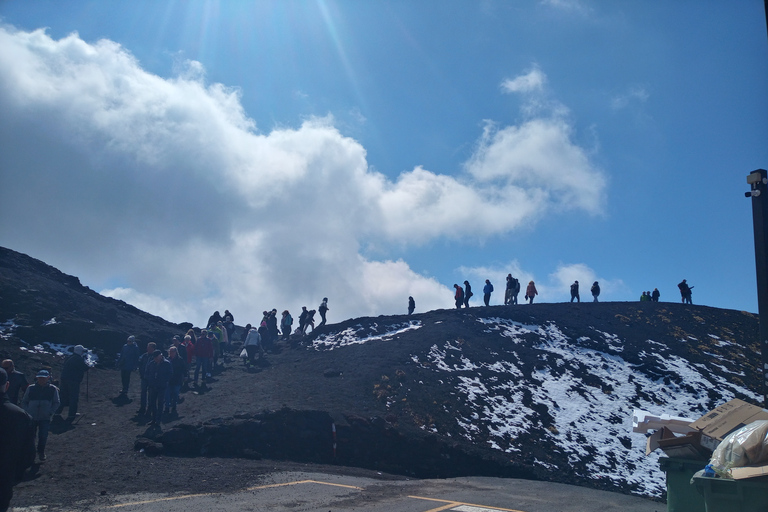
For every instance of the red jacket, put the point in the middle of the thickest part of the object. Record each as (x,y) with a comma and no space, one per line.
(204,347)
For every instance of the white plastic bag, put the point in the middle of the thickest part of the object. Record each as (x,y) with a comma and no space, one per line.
(747,446)
(244,353)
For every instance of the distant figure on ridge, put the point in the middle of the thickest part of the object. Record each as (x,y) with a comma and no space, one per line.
(530,292)
(645,297)
(487,290)
(515,290)
(595,291)
(323,309)
(575,291)
(655,295)
(411,305)
(303,320)
(467,293)
(286,323)
(458,296)
(685,292)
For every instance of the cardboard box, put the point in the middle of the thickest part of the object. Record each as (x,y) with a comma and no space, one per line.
(709,430)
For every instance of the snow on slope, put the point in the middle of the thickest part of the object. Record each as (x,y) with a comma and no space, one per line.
(571,397)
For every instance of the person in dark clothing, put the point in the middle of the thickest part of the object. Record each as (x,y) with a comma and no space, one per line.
(515,290)
(179,369)
(17,382)
(510,288)
(17,443)
(685,292)
(487,290)
(467,293)
(323,309)
(203,356)
(41,400)
(127,362)
(229,326)
(411,305)
(157,374)
(655,295)
(272,326)
(575,291)
(303,320)
(214,319)
(71,376)
(144,359)
(595,291)
(458,296)
(310,319)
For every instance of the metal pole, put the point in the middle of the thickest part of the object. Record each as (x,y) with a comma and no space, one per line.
(758,180)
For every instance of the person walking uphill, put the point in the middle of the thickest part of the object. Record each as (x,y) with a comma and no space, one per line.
(40,400)
(575,291)
(685,292)
(286,324)
(487,290)
(17,443)
(71,376)
(458,296)
(127,362)
(323,309)
(203,356)
(595,291)
(530,292)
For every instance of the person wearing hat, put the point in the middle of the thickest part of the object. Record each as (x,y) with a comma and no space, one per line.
(127,362)
(40,400)
(17,443)
(71,376)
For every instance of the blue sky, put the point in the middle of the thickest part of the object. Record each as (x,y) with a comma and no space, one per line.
(192,156)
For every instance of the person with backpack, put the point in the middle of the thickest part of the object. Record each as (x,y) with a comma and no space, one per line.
(595,291)
(516,291)
(303,320)
(487,290)
(575,291)
(685,292)
(508,290)
(458,296)
(467,293)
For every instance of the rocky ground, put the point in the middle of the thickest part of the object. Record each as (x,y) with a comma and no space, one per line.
(487,391)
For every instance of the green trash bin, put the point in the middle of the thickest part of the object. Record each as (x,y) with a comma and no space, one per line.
(682,496)
(726,495)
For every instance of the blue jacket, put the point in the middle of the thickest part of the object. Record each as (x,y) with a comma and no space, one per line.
(488,288)
(129,357)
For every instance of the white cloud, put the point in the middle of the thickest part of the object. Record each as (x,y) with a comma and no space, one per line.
(166,185)
(532,81)
(635,94)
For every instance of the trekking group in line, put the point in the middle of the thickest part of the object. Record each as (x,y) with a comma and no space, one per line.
(463,294)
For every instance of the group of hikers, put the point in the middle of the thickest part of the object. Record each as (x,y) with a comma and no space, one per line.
(463,294)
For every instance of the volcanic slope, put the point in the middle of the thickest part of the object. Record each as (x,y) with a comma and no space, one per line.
(543,391)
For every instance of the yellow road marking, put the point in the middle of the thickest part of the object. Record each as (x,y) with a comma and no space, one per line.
(444,507)
(458,503)
(255,488)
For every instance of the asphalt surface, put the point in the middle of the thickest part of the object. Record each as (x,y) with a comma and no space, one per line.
(298,491)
